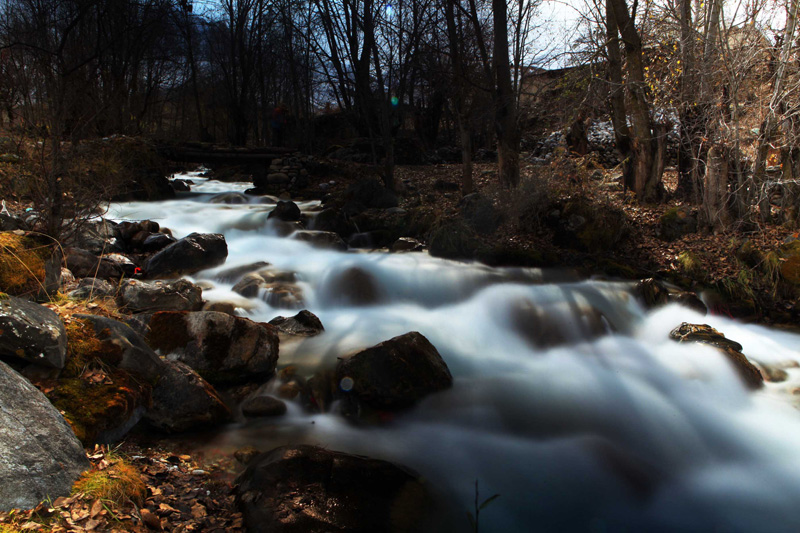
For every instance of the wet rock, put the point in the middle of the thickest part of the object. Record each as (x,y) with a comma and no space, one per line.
(182,401)
(92,288)
(246,454)
(407,244)
(653,293)
(220,347)
(232,198)
(545,326)
(154,242)
(220,307)
(195,252)
(284,296)
(85,264)
(393,374)
(263,406)
(231,275)
(125,264)
(287,211)
(772,373)
(705,334)
(179,185)
(138,296)
(677,222)
(304,324)
(249,285)
(41,458)
(351,286)
(326,240)
(31,332)
(315,490)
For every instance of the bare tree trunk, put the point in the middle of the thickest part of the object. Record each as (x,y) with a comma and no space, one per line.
(715,190)
(646,169)
(505,103)
(770,125)
(619,113)
(459,100)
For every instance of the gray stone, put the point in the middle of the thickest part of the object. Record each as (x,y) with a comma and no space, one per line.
(40,457)
(31,332)
(146,296)
(92,288)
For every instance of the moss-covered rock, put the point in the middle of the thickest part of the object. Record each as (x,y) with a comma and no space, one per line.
(99,400)
(677,222)
(583,225)
(453,240)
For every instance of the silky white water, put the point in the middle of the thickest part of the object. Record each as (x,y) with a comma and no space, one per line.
(614,430)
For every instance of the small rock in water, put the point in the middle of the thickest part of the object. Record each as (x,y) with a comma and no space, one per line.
(263,405)
(705,334)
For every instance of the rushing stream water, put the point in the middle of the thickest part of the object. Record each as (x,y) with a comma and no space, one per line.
(622,431)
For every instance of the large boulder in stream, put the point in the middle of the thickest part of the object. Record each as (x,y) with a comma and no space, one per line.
(352,286)
(307,489)
(138,296)
(392,375)
(39,455)
(32,333)
(193,253)
(220,347)
(705,334)
(287,211)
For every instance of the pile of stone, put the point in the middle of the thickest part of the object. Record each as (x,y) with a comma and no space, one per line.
(288,172)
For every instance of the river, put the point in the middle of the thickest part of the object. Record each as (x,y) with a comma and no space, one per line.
(604,426)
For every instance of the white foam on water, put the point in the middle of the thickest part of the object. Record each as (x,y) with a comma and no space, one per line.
(595,430)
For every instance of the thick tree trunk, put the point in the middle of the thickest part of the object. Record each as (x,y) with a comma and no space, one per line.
(646,168)
(616,98)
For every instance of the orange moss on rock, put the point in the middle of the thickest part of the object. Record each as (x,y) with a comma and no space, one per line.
(22,263)
(93,395)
